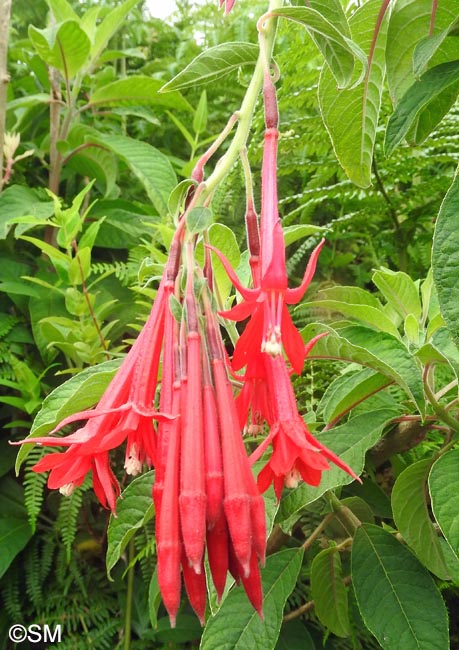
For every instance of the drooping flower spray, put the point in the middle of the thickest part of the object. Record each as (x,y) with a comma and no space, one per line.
(174,402)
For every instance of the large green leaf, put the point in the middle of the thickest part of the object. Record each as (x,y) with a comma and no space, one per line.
(397,597)
(420,96)
(411,516)
(445,258)
(348,390)
(329,592)
(409,23)
(76,394)
(246,630)
(338,51)
(15,530)
(372,316)
(351,115)
(332,10)
(213,64)
(294,635)
(113,20)
(444,494)
(134,509)
(94,161)
(64,46)
(350,442)
(400,291)
(20,201)
(62,10)
(440,349)
(429,45)
(152,168)
(410,50)
(377,350)
(135,90)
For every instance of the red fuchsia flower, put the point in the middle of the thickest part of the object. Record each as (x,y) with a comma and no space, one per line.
(124,413)
(206,495)
(296,455)
(270,327)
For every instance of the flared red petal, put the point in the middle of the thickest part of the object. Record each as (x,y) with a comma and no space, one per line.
(293,296)
(293,342)
(247,294)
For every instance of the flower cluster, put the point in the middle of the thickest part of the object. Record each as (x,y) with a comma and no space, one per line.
(267,395)
(172,402)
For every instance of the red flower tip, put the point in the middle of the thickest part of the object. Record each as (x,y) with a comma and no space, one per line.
(195,585)
(217,554)
(252,586)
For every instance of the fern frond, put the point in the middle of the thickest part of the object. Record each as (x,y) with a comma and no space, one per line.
(32,575)
(67,519)
(11,593)
(34,486)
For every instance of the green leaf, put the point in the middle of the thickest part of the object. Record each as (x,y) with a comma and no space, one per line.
(76,394)
(154,599)
(137,90)
(445,258)
(444,494)
(372,316)
(18,201)
(373,495)
(112,22)
(198,219)
(427,47)
(152,168)
(301,231)
(338,51)
(213,64)
(177,198)
(400,291)
(352,295)
(15,530)
(134,509)
(410,22)
(294,635)
(332,10)
(440,349)
(377,350)
(200,116)
(351,115)
(247,631)
(397,598)
(329,592)
(64,46)
(348,390)
(420,95)
(411,516)
(62,10)
(80,267)
(350,442)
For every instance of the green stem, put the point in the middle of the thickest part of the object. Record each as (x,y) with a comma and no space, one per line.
(440,410)
(129,597)
(245,113)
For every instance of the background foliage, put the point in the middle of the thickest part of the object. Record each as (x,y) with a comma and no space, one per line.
(84,228)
